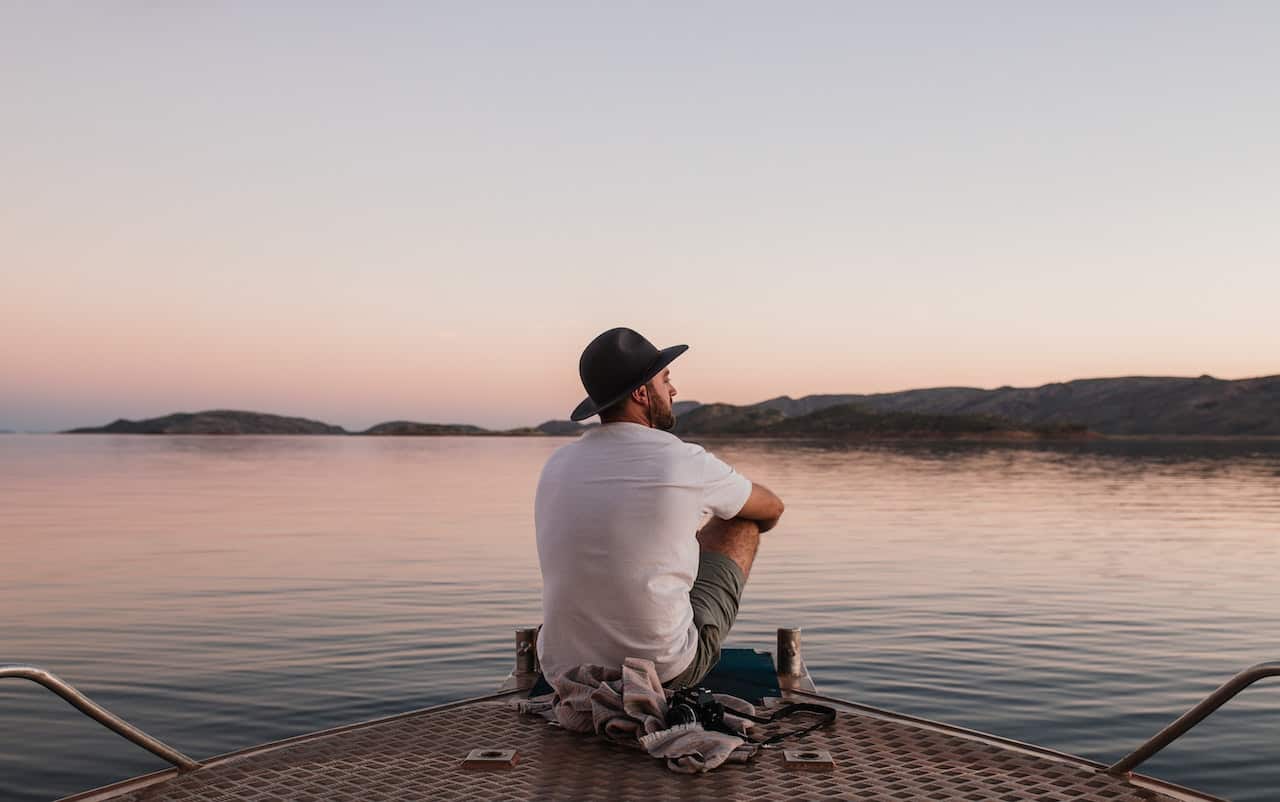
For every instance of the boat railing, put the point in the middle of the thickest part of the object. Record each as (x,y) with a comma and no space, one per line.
(791,669)
(100,714)
(1195,715)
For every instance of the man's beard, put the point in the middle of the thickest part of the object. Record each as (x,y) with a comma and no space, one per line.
(660,418)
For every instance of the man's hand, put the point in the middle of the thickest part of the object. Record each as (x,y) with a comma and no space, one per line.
(763,507)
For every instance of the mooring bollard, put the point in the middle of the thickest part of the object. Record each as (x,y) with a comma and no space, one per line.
(525,673)
(526,651)
(790,661)
(792,672)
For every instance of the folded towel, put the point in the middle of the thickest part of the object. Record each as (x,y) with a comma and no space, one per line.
(630,706)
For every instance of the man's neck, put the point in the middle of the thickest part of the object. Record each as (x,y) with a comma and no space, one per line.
(632,416)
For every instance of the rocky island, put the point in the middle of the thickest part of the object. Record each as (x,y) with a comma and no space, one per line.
(406,428)
(1138,406)
(843,421)
(214,421)
(855,421)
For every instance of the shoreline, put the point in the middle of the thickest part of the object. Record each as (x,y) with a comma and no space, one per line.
(1019,436)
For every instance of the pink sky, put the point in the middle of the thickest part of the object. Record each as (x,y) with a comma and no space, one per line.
(417,214)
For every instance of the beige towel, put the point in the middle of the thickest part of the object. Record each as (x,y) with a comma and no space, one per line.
(630,706)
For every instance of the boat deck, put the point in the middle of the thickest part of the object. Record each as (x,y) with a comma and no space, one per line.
(875,755)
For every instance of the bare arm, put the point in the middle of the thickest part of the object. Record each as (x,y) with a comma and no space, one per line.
(763,507)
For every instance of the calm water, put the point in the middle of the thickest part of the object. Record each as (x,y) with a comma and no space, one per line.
(220,592)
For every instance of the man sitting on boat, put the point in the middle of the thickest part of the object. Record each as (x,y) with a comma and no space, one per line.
(626,572)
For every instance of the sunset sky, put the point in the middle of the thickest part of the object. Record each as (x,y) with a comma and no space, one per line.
(424,211)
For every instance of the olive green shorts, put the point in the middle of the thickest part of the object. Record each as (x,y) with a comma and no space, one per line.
(715,597)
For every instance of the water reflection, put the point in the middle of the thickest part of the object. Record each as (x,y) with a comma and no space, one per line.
(220,590)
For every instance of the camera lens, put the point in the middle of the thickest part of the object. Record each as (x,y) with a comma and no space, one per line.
(681,714)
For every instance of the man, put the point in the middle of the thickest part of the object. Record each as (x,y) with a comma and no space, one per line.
(625,570)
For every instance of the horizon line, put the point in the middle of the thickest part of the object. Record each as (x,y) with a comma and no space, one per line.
(1202,376)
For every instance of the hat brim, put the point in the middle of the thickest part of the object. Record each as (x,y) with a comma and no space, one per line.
(589,407)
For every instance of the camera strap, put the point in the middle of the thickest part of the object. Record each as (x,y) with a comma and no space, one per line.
(828,715)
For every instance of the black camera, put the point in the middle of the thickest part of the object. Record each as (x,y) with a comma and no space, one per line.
(695,706)
(699,706)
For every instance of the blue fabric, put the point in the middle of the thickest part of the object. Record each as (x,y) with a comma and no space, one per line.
(540,688)
(744,673)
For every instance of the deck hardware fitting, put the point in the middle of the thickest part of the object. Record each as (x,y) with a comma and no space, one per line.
(491,759)
(789,657)
(793,674)
(808,759)
(525,673)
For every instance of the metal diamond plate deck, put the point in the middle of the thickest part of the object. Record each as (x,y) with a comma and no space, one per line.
(420,757)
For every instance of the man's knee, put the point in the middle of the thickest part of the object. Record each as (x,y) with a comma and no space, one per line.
(736,538)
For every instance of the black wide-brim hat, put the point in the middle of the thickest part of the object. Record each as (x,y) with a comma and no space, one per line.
(615,363)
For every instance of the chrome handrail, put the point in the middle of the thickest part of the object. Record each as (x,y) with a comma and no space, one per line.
(100,714)
(1195,715)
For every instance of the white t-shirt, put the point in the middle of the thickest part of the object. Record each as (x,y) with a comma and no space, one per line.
(617,514)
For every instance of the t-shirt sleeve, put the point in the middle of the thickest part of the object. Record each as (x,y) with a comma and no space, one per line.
(724,490)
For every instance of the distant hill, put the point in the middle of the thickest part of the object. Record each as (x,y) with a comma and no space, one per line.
(558,428)
(728,419)
(856,420)
(230,421)
(215,421)
(404,427)
(1137,405)
(568,427)
(682,407)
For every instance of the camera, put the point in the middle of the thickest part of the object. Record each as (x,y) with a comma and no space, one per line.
(699,706)
(695,706)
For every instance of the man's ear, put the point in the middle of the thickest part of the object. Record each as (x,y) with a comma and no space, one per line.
(641,395)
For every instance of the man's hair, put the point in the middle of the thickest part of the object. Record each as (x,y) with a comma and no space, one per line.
(614,410)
